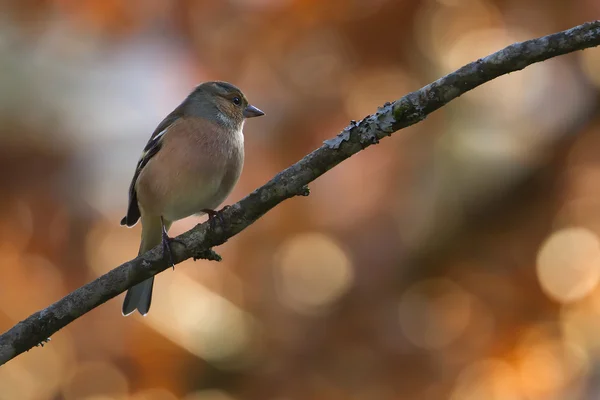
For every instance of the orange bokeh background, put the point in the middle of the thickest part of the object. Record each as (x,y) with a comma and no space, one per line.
(459,259)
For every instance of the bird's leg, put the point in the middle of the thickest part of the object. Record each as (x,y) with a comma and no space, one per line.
(210,254)
(212,214)
(166,242)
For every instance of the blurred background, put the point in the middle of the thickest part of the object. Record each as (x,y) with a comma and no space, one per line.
(459,259)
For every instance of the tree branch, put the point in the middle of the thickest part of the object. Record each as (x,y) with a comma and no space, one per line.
(408,110)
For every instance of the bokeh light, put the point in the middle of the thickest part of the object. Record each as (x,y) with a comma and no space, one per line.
(580,322)
(590,63)
(206,324)
(568,264)
(311,272)
(547,364)
(488,379)
(434,313)
(95,379)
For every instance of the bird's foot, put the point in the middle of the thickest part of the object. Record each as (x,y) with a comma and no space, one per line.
(213,215)
(166,242)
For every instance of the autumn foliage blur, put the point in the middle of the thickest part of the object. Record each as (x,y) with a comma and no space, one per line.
(459,259)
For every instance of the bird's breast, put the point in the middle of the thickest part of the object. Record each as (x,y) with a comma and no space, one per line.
(191,173)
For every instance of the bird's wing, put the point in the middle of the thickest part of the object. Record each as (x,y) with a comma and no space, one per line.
(152,147)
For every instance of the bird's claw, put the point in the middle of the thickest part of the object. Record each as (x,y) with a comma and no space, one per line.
(212,215)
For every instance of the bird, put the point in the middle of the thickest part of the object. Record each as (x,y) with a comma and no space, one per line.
(189,166)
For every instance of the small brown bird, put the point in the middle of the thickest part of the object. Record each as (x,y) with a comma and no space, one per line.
(191,163)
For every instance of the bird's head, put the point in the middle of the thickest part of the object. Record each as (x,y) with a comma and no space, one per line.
(222,102)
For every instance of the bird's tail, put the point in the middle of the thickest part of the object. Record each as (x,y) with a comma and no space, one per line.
(140,296)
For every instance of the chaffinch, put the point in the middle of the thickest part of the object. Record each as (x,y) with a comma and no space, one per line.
(191,163)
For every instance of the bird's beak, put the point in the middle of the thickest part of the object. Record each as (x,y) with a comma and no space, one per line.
(252,111)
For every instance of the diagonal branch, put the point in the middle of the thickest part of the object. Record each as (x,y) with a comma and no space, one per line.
(408,110)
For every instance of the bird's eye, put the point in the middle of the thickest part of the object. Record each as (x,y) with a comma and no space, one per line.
(237,101)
